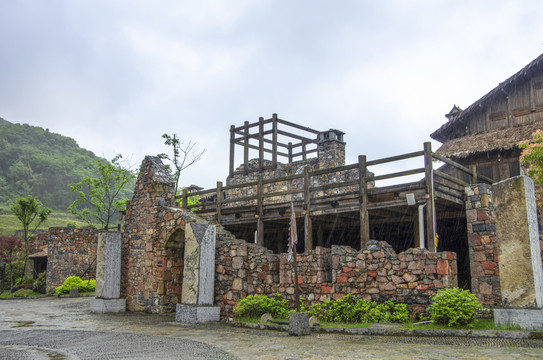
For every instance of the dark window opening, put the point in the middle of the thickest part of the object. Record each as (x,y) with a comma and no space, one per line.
(514,169)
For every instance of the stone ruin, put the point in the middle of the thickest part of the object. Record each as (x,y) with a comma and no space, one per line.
(158,239)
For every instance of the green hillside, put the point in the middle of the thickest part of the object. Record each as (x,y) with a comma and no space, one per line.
(34,161)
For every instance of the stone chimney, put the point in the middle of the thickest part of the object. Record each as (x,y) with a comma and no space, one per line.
(331,149)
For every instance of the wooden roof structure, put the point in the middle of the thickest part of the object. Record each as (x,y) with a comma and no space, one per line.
(461,118)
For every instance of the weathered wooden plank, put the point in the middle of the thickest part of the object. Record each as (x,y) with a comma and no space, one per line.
(450,178)
(398,174)
(395,158)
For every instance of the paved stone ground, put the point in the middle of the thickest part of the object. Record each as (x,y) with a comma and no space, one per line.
(63,328)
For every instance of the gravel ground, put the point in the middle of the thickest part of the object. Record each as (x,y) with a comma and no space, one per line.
(54,328)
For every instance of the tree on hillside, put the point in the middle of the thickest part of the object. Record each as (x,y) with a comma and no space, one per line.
(31,213)
(184,155)
(99,198)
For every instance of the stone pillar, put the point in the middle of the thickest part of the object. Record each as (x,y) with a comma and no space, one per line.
(198,276)
(331,149)
(519,255)
(482,244)
(108,275)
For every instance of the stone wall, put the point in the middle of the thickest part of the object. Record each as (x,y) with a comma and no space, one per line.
(375,273)
(483,245)
(70,252)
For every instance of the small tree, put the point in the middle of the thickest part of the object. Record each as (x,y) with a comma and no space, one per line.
(11,250)
(532,158)
(99,198)
(31,213)
(183,155)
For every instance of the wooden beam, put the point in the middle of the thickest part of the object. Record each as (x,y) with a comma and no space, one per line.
(429,182)
(261,143)
(274,141)
(219,201)
(246,150)
(308,228)
(363,199)
(260,223)
(232,145)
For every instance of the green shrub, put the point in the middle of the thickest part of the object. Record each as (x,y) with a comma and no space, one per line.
(23,293)
(350,309)
(40,282)
(258,305)
(24,281)
(13,271)
(75,282)
(454,307)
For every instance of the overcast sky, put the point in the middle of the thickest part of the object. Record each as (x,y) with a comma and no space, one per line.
(115,75)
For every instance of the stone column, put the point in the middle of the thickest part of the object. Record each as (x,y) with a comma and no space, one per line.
(108,275)
(519,255)
(198,276)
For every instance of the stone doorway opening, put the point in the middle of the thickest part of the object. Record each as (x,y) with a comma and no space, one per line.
(171,283)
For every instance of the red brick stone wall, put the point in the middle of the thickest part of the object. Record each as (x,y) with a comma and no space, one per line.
(375,273)
(483,245)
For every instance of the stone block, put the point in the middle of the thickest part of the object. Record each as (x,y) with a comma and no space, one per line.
(108,265)
(527,319)
(191,314)
(199,264)
(298,324)
(102,306)
(519,257)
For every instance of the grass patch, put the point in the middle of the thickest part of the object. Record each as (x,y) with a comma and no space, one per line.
(9,223)
(7,294)
(345,325)
(483,324)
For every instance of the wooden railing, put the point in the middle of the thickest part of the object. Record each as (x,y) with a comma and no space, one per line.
(310,190)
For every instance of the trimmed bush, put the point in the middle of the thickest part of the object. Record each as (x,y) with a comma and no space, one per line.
(22,286)
(454,307)
(350,309)
(258,305)
(75,282)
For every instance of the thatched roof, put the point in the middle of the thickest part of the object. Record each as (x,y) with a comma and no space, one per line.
(462,117)
(502,139)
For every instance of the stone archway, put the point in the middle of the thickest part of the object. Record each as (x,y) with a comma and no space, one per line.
(171,283)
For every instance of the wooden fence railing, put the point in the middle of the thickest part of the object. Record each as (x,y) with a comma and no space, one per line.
(312,191)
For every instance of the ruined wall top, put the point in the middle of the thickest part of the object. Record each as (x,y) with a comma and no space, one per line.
(154,180)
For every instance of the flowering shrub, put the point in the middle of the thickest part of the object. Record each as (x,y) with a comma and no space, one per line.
(532,158)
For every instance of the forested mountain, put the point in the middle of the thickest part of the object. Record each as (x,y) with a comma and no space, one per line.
(34,161)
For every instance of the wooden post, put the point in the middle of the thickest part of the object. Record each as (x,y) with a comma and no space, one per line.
(304,155)
(260,223)
(296,285)
(430,210)
(232,148)
(261,143)
(274,141)
(320,235)
(289,152)
(219,201)
(308,227)
(363,199)
(184,203)
(246,148)
(473,174)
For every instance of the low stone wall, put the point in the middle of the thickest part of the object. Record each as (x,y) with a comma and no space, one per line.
(374,273)
(70,252)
